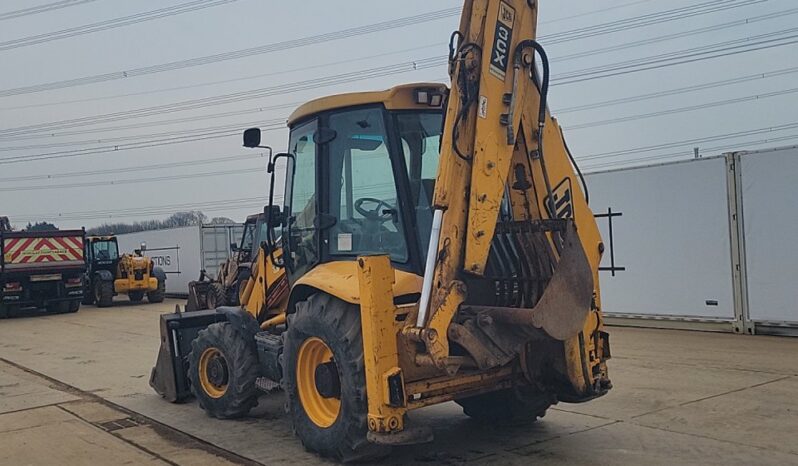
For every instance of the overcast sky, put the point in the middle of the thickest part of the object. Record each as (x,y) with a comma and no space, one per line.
(237,187)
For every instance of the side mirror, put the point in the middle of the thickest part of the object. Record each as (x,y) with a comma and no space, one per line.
(273,215)
(234,247)
(143,246)
(252,138)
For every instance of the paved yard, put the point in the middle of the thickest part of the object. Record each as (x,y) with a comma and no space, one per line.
(74,389)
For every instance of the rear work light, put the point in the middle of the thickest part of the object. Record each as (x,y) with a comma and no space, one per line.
(431,97)
(13,286)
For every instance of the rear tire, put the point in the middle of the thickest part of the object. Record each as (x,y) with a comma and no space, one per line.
(238,287)
(63,307)
(216,296)
(332,327)
(513,405)
(135,296)
(73,307)
(3,312)
(103,292)
(157,295)
(223,369)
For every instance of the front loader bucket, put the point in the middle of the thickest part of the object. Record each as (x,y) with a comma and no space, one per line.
(169,377)
(566,300)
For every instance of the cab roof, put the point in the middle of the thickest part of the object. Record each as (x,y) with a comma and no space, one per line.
(396,98)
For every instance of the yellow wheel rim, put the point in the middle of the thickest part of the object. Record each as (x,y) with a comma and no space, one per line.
(322,411)
(213,374)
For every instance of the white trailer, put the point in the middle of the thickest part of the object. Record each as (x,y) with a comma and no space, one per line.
(704,244)
(183,252)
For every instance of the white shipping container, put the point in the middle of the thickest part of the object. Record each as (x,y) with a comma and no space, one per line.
(707,243)
(183,252)
(673,239)
(770,223)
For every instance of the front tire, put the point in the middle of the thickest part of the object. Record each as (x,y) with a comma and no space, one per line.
(329,415)
(103,292)
(223,369)
(158,294)
(216,296)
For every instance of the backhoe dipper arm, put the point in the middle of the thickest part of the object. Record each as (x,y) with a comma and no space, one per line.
(500,145)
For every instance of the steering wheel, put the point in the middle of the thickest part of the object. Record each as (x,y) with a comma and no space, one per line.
(382,215)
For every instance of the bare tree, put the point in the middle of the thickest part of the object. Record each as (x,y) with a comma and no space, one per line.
(178,219)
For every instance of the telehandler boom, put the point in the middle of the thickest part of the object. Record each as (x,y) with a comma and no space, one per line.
(439,247)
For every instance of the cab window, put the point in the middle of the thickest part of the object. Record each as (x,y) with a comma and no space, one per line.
(363,197)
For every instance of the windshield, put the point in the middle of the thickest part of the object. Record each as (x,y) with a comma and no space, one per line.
(363,195)
(105,250)
(246,240)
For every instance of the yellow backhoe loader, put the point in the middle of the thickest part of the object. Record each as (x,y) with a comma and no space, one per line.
(439,247)
(225,289)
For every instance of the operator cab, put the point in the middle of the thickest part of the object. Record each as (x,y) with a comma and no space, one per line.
(102,250)
(256,234)
(361,174)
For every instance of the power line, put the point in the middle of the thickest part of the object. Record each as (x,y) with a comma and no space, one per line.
(652,62)
(594,52)
(428,63)
(678,91)
(224,81)
(208,101)
(111,23)
(278,121)
(688,142)
(150,179)
(691,108)
(671,59)
(257,76)
(194,131)
(344,78)
(130,146)
(675,35)
(138,168)
(690,153)
(647,20)
(580,33)
(149,209)
(208,116)
(35,10)
(656,61)
(263,49)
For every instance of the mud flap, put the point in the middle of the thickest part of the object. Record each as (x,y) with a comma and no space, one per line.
(169,377)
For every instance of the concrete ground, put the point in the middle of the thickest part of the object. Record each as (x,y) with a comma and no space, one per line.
(74,390)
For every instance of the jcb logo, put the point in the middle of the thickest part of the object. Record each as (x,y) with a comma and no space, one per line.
(563,201)
(502,41)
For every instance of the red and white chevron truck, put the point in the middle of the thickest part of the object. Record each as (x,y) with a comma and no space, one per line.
(41,269)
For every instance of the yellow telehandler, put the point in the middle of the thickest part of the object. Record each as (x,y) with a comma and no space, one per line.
(109,274)
(438,246)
